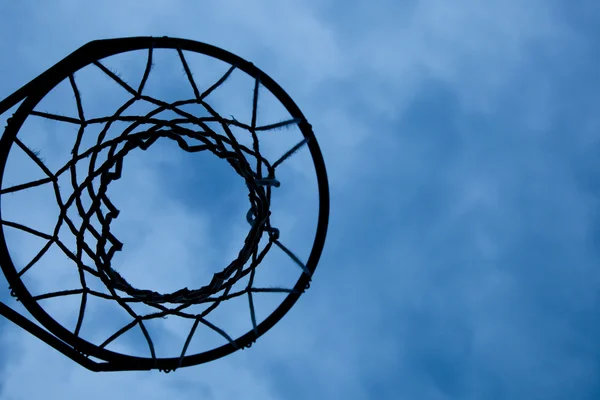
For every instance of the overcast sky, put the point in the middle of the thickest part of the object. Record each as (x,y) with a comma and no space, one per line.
(461,141)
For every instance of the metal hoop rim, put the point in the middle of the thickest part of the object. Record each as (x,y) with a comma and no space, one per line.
(97,50)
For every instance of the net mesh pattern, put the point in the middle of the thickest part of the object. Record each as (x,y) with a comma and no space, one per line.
(92,230)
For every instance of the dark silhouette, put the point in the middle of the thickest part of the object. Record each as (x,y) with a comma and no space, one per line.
(258,173)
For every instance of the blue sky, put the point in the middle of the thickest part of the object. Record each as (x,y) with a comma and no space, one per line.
(461,142)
